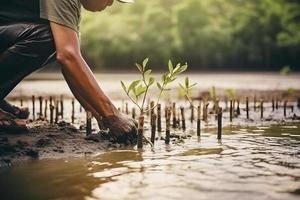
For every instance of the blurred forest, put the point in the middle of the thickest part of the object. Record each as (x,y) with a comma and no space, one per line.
(209,35)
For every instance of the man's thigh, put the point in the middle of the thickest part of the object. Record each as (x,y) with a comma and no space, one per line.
(27,48)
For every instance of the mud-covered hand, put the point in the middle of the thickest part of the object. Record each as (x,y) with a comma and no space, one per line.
(122,128)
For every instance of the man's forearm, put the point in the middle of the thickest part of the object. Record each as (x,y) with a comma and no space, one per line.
(81,78)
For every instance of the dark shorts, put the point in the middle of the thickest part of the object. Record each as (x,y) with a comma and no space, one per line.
(24,48)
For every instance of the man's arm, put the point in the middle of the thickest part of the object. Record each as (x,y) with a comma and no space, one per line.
(76,70)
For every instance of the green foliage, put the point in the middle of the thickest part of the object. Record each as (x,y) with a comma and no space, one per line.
(186,88)
(286,70)
(140,88)
(210,34)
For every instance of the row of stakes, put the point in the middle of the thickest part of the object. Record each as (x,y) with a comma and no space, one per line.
(56,108)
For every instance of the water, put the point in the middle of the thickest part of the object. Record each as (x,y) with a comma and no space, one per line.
(248,163)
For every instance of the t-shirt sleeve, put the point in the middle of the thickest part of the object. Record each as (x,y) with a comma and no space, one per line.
(64,12)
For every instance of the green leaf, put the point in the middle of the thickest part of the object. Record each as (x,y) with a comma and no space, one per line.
(145,63)
(151,80)
(140,90)
(183,68)
(148,72)
(123,86)
(187,82)
(133,85)
(170,65)
(140,68)
(193,85)
(159,86)
(176,70)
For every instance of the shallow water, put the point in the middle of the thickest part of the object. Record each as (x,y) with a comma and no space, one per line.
(248,163)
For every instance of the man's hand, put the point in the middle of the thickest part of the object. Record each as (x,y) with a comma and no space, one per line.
(122,128)
(96,5)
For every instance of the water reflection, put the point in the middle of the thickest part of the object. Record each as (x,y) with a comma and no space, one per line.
(247,164)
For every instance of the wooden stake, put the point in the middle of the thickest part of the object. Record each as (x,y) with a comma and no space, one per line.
(33,107)
(21,102)
(140,132)
(62,106)
(153,128)
(73,111)
(273,105)
(277,104)
(126,108)
(174,115)
(133,113)
(220,123)
(46,109)
(51,107)
(41,107)
(247,107)
(199,120)
(192,113)
(284,108)
(238,111)
(182,118)
(56,111)
(261,109)
(89,117)
(168,126)
(254,103)
(159,118)
(231,110)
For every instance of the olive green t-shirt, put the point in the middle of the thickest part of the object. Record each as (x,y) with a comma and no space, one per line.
(64,12)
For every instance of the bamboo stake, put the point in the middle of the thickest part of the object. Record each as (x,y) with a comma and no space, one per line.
(89,117)
(174,115)
(182,118)
(33,107)
(247,107)
(73,111)
(140,132)
(261,109)
(41,107)
(199,120)
(238,111)
(133,113)
(254,103)
(192,113)
(168,126)
(46,109)
(284,108)
(231,110)
(56,111)
(153,128)
(159,118)
(62,106)
(220,123)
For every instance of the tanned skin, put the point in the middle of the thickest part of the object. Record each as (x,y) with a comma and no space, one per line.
(82,81)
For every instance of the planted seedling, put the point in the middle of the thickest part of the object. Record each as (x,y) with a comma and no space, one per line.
(138,90)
